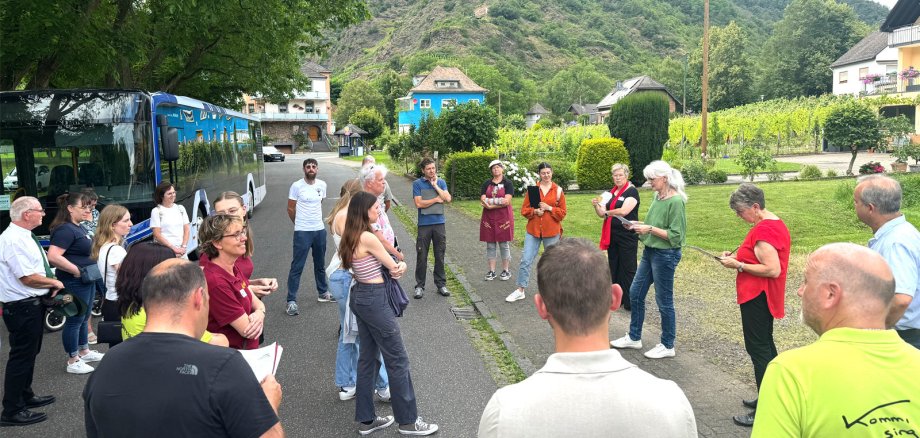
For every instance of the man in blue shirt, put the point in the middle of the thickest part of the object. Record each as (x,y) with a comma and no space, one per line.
(878,204)
(430,194)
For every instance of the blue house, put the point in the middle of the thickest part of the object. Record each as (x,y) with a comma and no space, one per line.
(443,88)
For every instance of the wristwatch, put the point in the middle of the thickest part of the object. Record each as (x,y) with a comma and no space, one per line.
(741,267)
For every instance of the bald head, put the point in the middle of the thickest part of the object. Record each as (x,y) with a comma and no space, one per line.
(170,283)
(846,285)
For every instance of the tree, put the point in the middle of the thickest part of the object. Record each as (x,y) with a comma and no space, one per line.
(357,94)
(810,36)
(369,120)
(730,71)
(579,83)
(192,48)
(468,125)
(641,121)
(852,125)
(391,86)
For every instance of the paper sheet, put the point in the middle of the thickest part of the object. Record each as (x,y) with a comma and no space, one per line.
(263,361)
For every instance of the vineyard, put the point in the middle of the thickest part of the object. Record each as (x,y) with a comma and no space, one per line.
(546,143)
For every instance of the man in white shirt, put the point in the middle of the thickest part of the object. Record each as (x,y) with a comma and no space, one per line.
(585,389)
(25,277)
(305,208)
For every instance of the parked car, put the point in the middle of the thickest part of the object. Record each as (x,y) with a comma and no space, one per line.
(42,177)
(269,153)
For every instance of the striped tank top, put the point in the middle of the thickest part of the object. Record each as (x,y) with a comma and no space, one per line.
(366,268)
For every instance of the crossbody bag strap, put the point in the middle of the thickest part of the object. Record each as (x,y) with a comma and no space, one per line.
(105,274)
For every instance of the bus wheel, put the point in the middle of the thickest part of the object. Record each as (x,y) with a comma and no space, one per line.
(252,203)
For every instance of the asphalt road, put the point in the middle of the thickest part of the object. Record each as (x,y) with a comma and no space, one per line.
(451,381)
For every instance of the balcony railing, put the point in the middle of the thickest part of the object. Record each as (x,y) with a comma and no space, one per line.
(904,36)
(293,117)
(311,95)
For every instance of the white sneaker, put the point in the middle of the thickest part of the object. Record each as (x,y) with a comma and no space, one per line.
(79,367)
(660,351)
(626,342)
(383,394)
(92,356)
(347,392)
(517,295)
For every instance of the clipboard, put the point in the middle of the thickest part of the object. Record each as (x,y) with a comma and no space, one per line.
(533,195)
(703,251)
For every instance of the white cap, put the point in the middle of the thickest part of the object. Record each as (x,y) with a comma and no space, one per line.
(494,162)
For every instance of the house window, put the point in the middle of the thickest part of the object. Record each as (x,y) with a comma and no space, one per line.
(424,103)
(448,103)
(447,84)
(309,109)
(252,108)
(863,72)
(283,107)
(842,77)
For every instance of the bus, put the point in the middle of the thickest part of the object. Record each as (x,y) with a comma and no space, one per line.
(122,143)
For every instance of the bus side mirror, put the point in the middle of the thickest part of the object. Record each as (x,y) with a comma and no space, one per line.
(170,143)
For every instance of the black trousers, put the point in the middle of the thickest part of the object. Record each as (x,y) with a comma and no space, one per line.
(621,257)
(24,322)
(757,323)
(428,234)
(911,336)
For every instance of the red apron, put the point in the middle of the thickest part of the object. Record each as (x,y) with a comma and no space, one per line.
(497,225)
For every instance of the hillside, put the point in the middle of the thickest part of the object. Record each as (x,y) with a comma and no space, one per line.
(535,39)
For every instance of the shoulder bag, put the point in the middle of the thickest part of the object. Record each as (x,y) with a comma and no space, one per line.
(108,332)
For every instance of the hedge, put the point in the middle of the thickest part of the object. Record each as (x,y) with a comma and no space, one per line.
(563,172)
(595,157)
(466,171)
(641,121)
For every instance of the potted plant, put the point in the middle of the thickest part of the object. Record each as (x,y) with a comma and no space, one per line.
(900,155)
(913,151)
(871,167)
(909,74)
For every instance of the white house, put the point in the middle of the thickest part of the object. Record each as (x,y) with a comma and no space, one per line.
(873,58)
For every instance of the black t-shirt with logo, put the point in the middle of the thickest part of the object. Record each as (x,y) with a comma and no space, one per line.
(163,384)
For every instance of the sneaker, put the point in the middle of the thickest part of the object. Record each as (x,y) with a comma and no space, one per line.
(383,394)
(490,275)
(292,308)
(444,291)
(92,356)
(377,424)
(626,342)
(79,367)
(516,296)
(419,292)
(347,392)
(91,339)
(326,298)
(418,428)
(505,276)
(660,351)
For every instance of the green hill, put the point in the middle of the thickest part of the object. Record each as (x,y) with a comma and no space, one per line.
(528,42)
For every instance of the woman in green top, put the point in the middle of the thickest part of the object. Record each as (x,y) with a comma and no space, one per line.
(663,234)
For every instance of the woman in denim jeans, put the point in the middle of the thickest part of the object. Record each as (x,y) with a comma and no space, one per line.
(663,234)
(340,279)
(69,252)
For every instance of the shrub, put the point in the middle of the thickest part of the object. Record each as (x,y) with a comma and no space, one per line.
(563,171)
(831,173)
(520,176)
(641,121)
(716,176)
(465,172)
(752,158)
(595,156)
(694,172)
(773,172)
(810,171)
(871,167)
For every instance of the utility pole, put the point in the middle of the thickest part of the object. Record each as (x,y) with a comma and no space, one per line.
(499,105)
(683,104)
(705,109)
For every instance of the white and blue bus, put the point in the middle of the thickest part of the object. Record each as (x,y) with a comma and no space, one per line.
(122,143)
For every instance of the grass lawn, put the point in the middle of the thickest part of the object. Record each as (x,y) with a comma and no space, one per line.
(381,157)
(816,213)
(729,166)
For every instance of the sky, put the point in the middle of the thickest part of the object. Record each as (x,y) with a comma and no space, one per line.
(889,3)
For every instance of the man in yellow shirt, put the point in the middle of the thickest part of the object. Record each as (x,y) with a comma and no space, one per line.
(858,379)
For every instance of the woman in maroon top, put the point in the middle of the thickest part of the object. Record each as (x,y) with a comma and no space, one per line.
(761,262)
(234,311)
(497,225)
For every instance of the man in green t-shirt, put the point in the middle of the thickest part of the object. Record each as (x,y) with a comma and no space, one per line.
(858,379)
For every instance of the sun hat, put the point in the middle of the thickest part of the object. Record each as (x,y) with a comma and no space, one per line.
(65,303)
(494,162)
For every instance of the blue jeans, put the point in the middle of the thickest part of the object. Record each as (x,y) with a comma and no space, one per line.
(657,266)
(304,241)
(75,333)
(346,357)
(531,247)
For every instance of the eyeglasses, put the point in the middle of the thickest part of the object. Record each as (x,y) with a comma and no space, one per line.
(37,210)
(239,235)
(233,211)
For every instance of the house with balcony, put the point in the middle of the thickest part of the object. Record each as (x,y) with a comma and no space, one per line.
(301,122)
(869,67)
(639,84)
(430,94)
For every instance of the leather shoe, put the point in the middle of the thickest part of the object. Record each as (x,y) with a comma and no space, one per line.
(39,401)
(744,420)
(752,403)
(22,418)
(419,292)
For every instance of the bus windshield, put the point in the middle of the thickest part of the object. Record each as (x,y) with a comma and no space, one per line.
(57,141)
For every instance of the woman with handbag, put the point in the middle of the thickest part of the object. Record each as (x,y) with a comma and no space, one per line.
(362,252)
(69,253)
(113,225)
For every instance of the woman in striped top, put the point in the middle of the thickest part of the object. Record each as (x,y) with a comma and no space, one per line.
(378,330)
